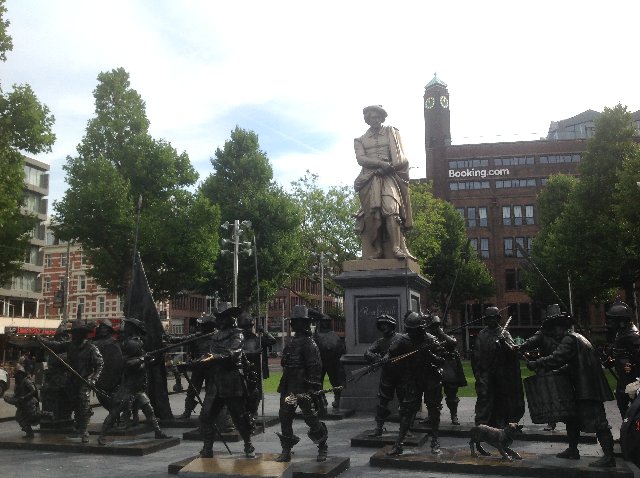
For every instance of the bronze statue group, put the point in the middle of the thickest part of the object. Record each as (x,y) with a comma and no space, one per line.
(420,365)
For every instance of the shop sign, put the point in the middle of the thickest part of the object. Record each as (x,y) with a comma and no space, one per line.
(29,331)
(477,173)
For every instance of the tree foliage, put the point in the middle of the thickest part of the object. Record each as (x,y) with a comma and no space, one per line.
(25,127)
(118,162)
(328,224)
(589,228)
(242,185)
(440,243)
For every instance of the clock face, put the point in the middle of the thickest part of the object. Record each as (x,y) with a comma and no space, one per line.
(429,103)
(444,101)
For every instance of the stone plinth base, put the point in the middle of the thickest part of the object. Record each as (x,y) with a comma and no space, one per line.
(191,422)
(459,460)
(387,438)
(332,414)
(298,468)
(58,443)
(231,467)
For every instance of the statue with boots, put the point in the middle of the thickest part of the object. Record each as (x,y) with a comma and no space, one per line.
(388,386)
(626,351)
(132,392)
(85,359)
(419,372)
(198,349)
(111,352)
(496,367)
(54,396)
(383,189)
(301,371)
(225,384)
(25,399)
(331,348)
(252,350)
(541,344)
(576,356)
(452,372)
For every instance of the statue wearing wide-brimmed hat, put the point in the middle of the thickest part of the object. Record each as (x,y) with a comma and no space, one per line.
(85,359)
(579,360)
(301,374)
(383,188)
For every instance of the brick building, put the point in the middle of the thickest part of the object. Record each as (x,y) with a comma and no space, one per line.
(494,187)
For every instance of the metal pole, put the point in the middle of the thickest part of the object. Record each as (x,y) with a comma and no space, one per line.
(236,238)
(321,282)
(65,316)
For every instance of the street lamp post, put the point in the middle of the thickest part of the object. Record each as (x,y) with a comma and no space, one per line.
(235,239)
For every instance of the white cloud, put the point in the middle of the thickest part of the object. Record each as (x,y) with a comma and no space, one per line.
(511,69)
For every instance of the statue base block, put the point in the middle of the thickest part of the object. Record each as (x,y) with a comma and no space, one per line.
(58,443)
(232,467)
(459,460)
(387,438)
(298,468)
(195,435)
(529,432)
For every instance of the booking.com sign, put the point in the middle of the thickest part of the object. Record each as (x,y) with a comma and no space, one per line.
(477,173)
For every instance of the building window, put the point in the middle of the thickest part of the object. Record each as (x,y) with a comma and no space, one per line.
(80,307)
(528,212)
(460,211)
(101,304)
(46,284)
(484,248)
(508,247)
(82,282)
(462,185)
(471,217)
(473,243)
(48,260)
(517,215)
(63,260)
(513,279)
(506,215)
(521,243)
(482,215)
(83,259)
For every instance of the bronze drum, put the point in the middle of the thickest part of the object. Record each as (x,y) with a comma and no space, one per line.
(550,397)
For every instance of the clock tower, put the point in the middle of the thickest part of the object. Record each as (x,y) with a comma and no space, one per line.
(437,133)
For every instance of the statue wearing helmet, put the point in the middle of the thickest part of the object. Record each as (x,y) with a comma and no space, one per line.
(25,399)
(388,386)
(626,350)
(419,372)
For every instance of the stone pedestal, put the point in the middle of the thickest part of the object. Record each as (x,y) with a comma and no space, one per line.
(374,287)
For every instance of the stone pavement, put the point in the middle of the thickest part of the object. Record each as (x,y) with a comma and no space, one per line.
(14,463)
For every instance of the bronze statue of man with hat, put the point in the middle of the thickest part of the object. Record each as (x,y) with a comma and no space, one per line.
(578,359)
(85,359)
(332,348)
(301,376)
(383,189)
(496,367)
(225,383)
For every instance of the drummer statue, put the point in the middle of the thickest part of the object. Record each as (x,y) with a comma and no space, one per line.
(580,362)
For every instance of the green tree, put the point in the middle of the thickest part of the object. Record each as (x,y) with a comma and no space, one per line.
(118,162)
(588,233)
(439,241)
(328,224)
(242,185)
(25,127)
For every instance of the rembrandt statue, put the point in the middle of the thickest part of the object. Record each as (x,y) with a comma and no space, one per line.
(383,188)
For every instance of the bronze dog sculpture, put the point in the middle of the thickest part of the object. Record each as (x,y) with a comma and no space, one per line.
(496,437)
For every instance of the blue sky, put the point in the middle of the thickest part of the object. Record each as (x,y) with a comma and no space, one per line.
(299,73)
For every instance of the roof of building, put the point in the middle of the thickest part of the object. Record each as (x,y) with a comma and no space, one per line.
(435,81)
